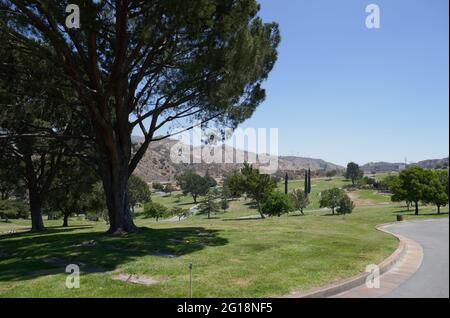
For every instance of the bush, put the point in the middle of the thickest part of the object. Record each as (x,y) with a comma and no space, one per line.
(366,183)
(224,204)
(331,198)
(155,210)
(346,205)
(300,199)
(277,204)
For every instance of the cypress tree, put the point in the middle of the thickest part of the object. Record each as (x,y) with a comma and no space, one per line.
(286,178)
(306,182)
(309,181)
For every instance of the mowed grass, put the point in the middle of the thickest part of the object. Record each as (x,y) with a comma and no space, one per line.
(360,197)
(174,199)
(231,257)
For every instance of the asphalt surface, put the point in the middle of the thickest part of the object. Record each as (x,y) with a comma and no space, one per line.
(432,278)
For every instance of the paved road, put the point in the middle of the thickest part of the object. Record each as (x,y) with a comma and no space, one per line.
(432,278)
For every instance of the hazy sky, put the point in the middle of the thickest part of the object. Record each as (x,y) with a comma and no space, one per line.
(343,92)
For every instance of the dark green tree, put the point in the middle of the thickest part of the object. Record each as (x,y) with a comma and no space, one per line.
(277,203)
(193,184)
(233,185)
(94,203)
(286,186)
(156,211)
(300,199)
(437,189)
(13,209)
(411,186)
(210,205)
(353,172)
(138,192)
(148,64)
(331,198)
(224,204)
(306,182)
(309,181)
(40,122)
(210,180)
(257,186)
(72,183)
(346,205)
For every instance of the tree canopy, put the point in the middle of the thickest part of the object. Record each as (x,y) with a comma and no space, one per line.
(411,185)
(257,186)
(192,183)
(353,172)
(300,199)
(331,198)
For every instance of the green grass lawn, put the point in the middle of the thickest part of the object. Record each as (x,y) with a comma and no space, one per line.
(231,257)
(175,199)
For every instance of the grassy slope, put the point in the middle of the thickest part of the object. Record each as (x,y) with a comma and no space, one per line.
(231,257)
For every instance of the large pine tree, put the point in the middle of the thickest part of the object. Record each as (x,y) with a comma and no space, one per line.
(145,64)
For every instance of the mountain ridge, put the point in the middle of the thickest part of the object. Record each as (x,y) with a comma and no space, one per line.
(156,164)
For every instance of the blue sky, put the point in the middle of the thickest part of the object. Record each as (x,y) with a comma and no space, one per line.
(342,92)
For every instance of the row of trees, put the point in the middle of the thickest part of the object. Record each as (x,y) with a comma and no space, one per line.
(75,191)
(415,185)
(262,190)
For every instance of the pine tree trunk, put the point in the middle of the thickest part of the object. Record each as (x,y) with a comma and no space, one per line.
(37,224)
(66,220)
(115,184)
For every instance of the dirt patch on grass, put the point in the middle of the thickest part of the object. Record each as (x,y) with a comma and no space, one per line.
(137,279)
(358,201)
(241,281)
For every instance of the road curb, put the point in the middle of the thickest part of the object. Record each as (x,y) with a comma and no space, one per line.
(360,279)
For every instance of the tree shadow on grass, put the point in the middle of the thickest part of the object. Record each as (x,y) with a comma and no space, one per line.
(244,218)
(412,213)
(30,255)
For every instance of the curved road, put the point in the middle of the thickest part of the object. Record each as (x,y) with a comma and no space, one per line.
(432,278)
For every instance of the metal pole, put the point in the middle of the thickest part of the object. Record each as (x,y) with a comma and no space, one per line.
(190,280)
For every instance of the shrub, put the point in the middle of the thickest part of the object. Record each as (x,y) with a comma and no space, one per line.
(277,203)
(346,205)
(299,199)
(331,198)
(209,205)
(224,204)
(155,210)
